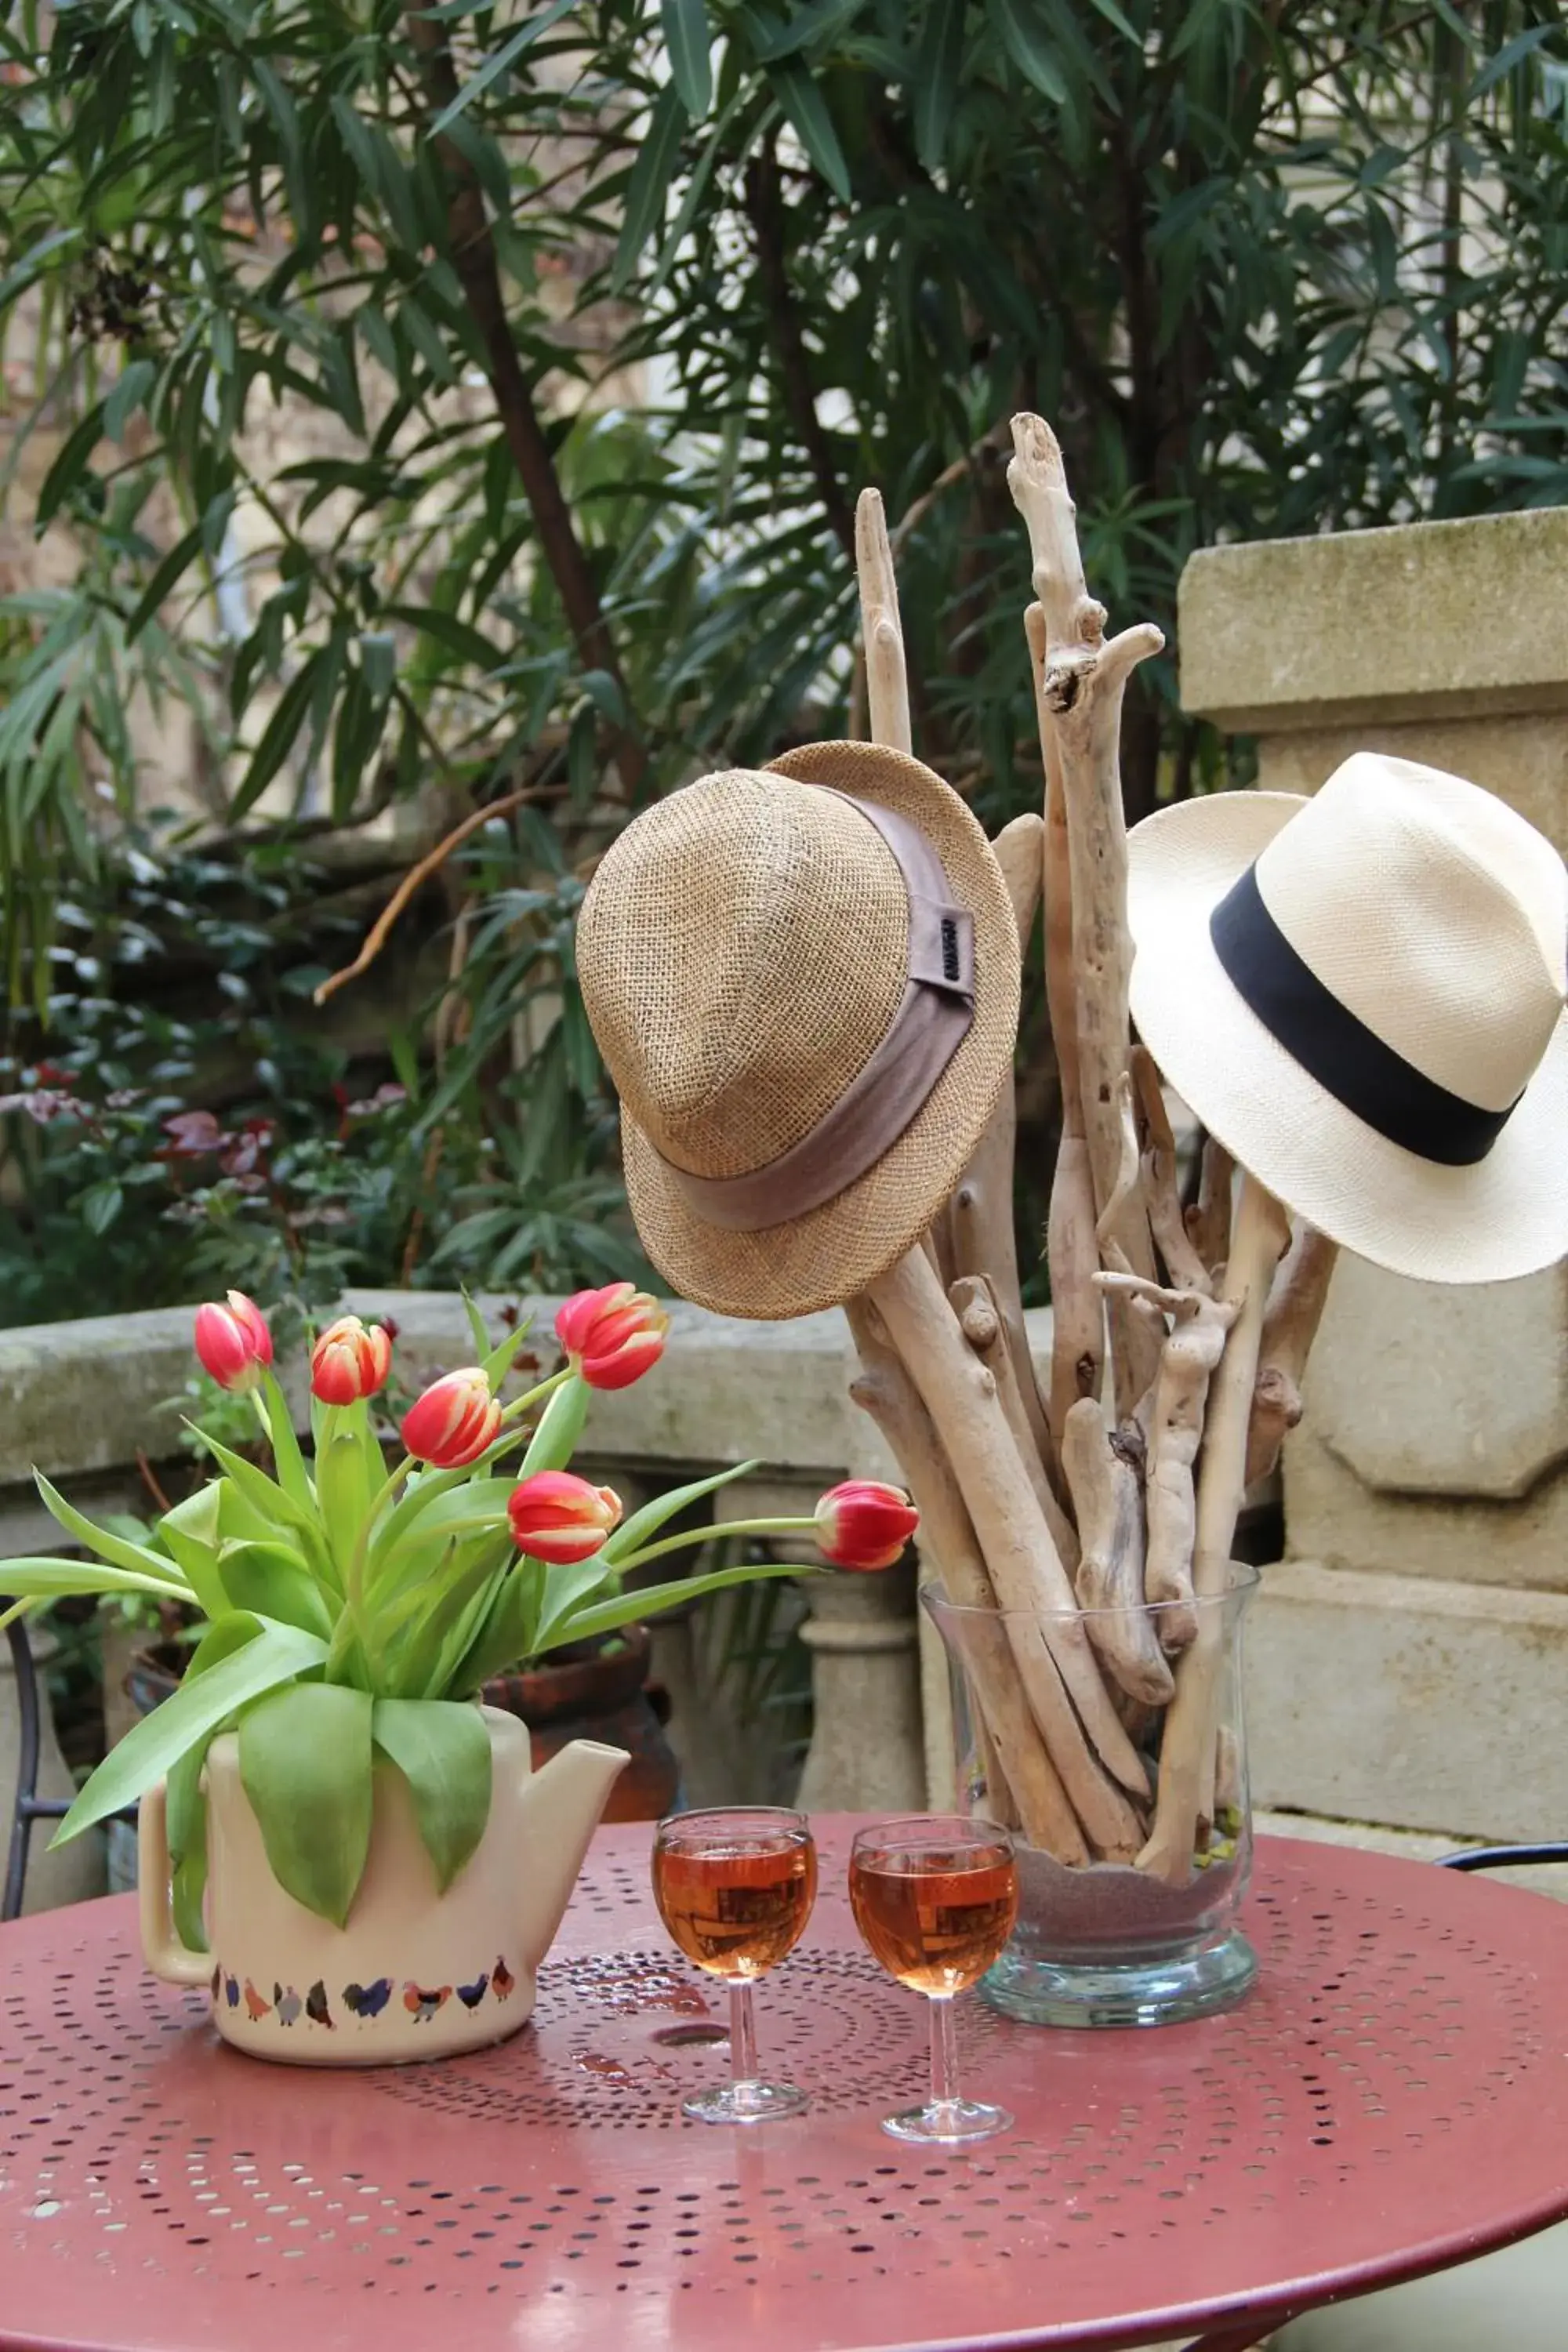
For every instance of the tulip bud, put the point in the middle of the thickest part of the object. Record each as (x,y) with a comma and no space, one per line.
(349,1361)
(612,1336)
(454,1420)
(233,1343)
(558,1518)
(862,1523)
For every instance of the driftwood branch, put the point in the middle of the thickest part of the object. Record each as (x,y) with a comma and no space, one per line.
(1187,1749)
(980,1319)
(1187,1362)
(1208,1220)
(1082,689)
(1077,1315)
(881,634)
(1184,1267)
(1088,1744)
(1104,1476)
(981,1237)
(885,1391)
(1289,1327)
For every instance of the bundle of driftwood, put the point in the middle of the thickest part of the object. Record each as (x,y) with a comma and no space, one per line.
(1099,1512)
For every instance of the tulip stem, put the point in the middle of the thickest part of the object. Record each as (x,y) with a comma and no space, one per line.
(715,1534)
(546,1387)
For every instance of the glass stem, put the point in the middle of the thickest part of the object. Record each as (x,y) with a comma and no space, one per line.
(743,2033)
(943,2052)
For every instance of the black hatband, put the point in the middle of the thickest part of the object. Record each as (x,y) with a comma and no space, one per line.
(1336,1048)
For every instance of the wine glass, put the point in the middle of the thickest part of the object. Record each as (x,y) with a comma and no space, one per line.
(735,1886)
(935,1897)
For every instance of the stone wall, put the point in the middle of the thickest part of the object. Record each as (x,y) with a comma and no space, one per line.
(1409,1654)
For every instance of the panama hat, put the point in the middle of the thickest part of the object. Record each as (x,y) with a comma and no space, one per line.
(1362,996)
(804,981)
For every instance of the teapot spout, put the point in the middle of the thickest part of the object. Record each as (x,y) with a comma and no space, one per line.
(561,1805)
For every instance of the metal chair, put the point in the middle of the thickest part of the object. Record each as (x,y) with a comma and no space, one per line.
(27,1806)
(1518,2298)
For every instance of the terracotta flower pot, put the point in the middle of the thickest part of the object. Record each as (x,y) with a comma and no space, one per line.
(596,1690)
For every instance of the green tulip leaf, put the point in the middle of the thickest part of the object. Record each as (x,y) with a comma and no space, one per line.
(116,1550)
(190,1532)
(471,1506)
(566,1590)
(443,1751)
(292,1473)
(274,1581)
(262,1492)
(629,1608)
(305,1760)
(560,1426)
(498,1361)
(44,1579)
(342,1485)
(187,1804)
(275,1654)
(635,1531)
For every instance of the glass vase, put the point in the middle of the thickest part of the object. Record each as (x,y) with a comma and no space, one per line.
(1106,1942)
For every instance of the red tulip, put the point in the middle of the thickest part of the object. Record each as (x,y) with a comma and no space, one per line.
(349,1361)
(233,1343)
(559,1518)
(864,1525)
(454,1420)
(612,1336)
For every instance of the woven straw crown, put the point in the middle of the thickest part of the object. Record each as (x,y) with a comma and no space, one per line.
(742,950)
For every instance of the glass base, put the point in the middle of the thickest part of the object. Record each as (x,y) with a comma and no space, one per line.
(945,2122)
(744,2102)
(1166,1991)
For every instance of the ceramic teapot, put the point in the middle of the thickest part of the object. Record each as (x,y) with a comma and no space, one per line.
(415,1973)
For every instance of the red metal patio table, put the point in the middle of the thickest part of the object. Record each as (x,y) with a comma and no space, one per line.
(1391,2098)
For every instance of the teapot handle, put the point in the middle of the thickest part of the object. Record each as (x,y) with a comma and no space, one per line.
(161,1945)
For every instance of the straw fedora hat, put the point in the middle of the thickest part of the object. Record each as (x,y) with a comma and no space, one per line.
(804,981)
(1362,996)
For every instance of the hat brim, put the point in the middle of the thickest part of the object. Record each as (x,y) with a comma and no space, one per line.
(1504,1217)
(835,1251)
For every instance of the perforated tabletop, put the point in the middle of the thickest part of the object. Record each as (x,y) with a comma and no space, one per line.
(1393,2097)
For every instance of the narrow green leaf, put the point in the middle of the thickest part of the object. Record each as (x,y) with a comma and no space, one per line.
(1113,15)
(278,737)
(458,636)
(69,466)
(495,65)
(631,1607)
(636,1530)
(305,1761)
(272,1581)
(560,1425)
(650,184)
(187,1808)
(130,388)
(262,1492)
(689,41)
(41,1578)
(443,1751)
(804,103)
(566,1591)
(117,1549)
(937,68)
(1030,47)
(146,1753)
(17,282)
(192,1532)
(292,1474)
(342,1485)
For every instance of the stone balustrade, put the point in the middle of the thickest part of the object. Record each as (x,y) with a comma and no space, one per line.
(1408,1655)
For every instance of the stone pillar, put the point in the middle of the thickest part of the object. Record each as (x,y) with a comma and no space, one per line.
(1408,1655)
(866,1752)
